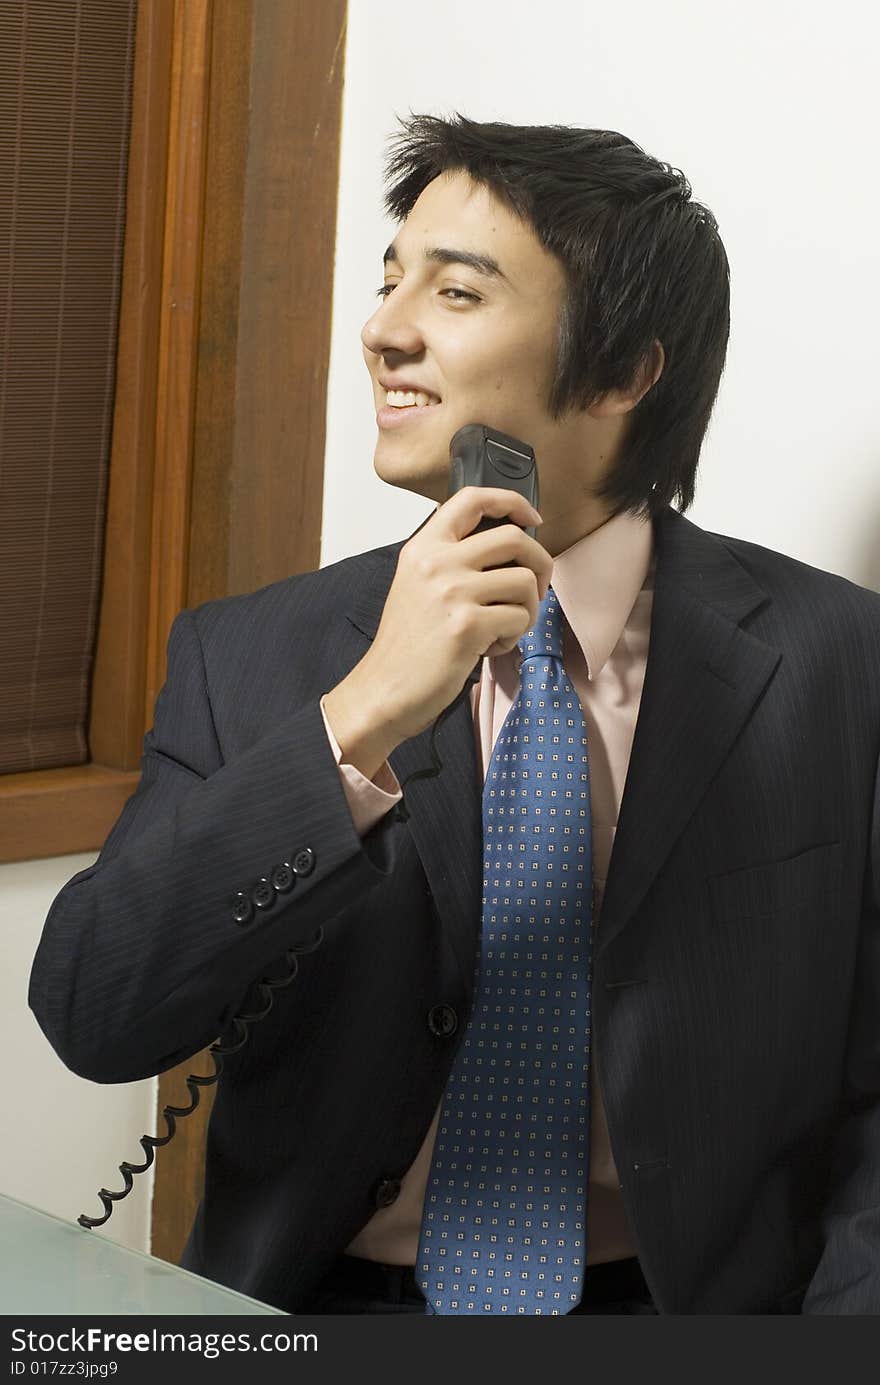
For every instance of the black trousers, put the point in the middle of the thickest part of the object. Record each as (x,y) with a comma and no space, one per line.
(354,1285)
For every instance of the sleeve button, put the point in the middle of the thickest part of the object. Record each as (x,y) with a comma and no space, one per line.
(242,909)
(282,877)
(263,894)
(304,861)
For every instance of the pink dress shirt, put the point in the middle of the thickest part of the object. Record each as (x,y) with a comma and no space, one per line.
(605,587)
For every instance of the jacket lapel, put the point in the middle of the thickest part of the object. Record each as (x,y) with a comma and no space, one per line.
(703,677)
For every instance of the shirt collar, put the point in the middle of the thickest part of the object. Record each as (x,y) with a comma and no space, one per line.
(598,580)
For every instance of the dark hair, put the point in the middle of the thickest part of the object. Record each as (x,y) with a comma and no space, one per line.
(642,262)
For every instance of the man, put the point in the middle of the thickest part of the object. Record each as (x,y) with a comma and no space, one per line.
(718,1047)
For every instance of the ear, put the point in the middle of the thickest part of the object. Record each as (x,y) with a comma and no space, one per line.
(622,401)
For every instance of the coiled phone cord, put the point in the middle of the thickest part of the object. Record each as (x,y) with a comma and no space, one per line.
(194,1081)
(241,1022)
(402,814)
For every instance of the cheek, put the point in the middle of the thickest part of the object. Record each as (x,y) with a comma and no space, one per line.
(525,366)
(521,382)
(515,373)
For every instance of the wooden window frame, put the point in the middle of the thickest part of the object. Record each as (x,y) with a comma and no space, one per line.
(194,458)
(59,811)
(233,162)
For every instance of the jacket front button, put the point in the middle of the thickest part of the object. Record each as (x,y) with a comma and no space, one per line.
(304,861)
(262,894)
(386,1191)
(242,909)
(442,1021)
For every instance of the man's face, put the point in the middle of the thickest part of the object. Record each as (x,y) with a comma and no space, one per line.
(479,338)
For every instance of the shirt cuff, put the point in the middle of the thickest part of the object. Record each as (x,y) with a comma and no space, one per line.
(368,799)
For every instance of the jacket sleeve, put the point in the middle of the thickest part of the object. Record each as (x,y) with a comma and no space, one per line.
(141,962)
(847,1278)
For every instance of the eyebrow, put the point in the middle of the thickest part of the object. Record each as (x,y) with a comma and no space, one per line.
(482,264)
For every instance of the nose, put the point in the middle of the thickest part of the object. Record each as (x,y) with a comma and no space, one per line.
(393,327)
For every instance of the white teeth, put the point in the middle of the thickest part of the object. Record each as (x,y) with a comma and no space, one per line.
(404,399)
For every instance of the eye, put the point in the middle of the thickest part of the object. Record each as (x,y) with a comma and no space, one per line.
(462,294)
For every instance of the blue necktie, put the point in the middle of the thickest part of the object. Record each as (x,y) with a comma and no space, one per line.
(504,1221)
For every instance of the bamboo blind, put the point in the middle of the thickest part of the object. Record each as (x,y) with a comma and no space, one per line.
(65,98)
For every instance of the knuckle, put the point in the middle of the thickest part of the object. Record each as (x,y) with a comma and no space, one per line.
(423,564)
(444,596)
(409,554)
(527,584)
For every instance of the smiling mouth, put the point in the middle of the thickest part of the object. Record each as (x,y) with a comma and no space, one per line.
(409,399)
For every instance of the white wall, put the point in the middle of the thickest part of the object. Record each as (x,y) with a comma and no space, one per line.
(770,109)
(62,1138)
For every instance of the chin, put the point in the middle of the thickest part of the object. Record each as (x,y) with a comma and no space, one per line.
(431,482)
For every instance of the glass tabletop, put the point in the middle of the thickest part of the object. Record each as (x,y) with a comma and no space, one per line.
(50,1266)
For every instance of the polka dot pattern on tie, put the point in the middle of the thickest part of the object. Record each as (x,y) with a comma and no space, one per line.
(504,1222)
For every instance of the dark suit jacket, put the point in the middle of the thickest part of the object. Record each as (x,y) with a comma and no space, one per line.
(736,986)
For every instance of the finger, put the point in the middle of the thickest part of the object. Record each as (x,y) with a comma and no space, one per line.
(461,514)
(494,547)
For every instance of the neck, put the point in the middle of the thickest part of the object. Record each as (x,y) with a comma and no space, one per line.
(564,527)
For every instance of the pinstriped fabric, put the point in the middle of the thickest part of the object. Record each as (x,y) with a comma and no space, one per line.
(737,1020)
(503,1229)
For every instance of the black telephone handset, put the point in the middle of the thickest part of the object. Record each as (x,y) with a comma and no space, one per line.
(483,456)
(480,456)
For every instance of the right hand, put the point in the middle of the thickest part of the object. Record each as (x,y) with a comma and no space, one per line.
(452,601)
